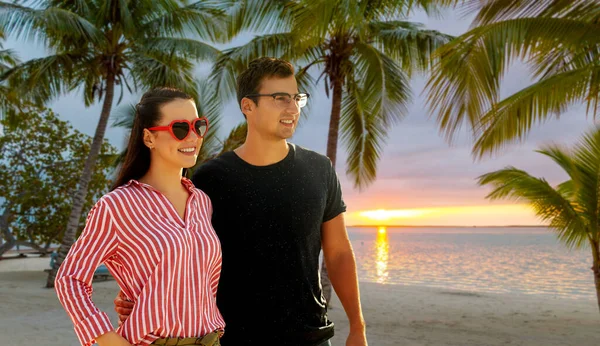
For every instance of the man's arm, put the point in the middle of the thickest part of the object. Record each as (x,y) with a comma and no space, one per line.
(341,266)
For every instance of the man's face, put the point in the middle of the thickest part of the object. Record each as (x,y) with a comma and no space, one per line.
(275,117)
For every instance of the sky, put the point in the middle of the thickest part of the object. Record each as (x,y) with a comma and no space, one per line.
(422,179)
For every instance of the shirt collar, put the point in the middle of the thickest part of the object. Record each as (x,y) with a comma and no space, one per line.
(184,181)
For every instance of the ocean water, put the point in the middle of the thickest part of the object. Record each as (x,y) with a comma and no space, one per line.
(504,260)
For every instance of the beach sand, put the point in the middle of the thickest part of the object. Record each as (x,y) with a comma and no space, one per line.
(395,314)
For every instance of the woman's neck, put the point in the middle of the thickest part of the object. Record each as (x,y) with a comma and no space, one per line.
(165,179)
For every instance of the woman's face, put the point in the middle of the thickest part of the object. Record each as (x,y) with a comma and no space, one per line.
(167,150)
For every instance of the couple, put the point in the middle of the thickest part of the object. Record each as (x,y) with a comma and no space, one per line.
(266,208)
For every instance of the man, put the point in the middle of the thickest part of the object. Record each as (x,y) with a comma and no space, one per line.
(274,205)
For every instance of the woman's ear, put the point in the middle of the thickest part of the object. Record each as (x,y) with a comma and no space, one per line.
(149,139)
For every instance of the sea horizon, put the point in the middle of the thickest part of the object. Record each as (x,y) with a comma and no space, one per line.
(524,260)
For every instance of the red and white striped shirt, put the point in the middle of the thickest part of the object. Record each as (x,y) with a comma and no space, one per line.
(168,266)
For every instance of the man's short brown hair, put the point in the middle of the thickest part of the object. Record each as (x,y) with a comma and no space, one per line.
(258,70)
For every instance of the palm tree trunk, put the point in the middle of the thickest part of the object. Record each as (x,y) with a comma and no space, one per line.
(5,219)
(334,121)
(332,141)
(84,180)
(9,238)
(596,268)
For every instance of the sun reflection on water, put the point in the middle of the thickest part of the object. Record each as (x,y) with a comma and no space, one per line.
(528,261)
(383,251)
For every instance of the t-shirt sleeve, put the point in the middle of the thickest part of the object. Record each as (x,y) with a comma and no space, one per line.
(335,204)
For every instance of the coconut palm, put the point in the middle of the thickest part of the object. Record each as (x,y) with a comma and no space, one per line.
(365,52)
(97,45)
(559,41)
(571,208)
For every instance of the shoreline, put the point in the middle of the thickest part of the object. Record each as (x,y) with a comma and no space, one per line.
(395,314)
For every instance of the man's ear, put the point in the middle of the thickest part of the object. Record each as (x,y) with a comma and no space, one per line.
(247,106)
(149,139)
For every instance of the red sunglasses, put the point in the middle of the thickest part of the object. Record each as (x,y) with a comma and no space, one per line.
(180,129)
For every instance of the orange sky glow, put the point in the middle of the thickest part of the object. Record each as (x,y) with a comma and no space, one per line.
(487,215)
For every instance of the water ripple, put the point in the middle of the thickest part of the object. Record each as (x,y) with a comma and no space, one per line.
(519,260)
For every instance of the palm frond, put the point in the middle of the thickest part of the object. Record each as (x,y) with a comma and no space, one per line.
(512,118)
(586,156)
(84,8)
(44,79)
(567,189)
(123,116)
(207,19)
(234,60)
(366,119)
(498,10)
(237,137)
(363,152)
(183,47)
(384,82)
(8,58)
(42,24)
(582,188)
(261,16)
(370,108)
(209,105)
(548,204)
(408,43)
(316,18)
(465,82)
(154,69)
(9,101)
(545,64)
(90,80)
(562,158)
(306,83)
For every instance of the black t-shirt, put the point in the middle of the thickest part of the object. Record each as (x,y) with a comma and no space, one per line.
(269,219)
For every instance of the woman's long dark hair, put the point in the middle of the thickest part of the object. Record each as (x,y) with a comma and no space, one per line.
(147,114)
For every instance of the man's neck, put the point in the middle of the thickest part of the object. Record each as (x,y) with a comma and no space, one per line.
(262,152)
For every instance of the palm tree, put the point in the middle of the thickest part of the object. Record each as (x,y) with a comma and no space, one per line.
(365,56)
(559,41)
(572,207)
(365,52)
(97,45)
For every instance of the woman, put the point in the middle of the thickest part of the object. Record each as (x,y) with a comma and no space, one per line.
(153,232)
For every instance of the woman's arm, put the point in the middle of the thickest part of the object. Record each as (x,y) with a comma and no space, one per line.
(74,279)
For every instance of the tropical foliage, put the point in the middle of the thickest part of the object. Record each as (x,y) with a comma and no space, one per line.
(572,208)
(39,156)
(364,52)
(96,46)
(558,40)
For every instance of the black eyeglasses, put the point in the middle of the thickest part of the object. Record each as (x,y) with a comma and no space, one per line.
(284,100)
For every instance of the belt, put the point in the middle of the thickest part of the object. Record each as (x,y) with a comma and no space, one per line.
(211,339)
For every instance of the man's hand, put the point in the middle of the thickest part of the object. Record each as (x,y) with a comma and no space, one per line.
(357,338)
(123,307)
